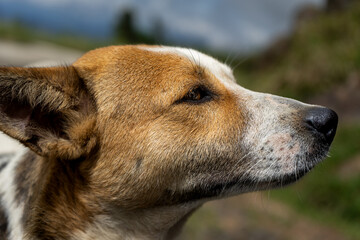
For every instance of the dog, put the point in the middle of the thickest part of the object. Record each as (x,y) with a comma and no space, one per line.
(128,141)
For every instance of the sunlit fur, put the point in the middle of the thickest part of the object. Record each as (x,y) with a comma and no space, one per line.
(115,153)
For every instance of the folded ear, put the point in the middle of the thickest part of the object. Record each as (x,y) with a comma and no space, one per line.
(48,109)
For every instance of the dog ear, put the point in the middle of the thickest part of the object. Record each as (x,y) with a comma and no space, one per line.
(49,110)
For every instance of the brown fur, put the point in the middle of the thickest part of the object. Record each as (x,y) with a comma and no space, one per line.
(140,114)
(50,111)
(110,137)
(103,127)
(40,105)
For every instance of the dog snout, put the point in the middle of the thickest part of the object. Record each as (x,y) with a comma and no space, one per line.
(322,121)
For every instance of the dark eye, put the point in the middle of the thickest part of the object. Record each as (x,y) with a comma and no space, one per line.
(196,95)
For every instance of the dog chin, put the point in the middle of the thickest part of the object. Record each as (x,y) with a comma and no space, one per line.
(242,185)
(220,188)
(303,163)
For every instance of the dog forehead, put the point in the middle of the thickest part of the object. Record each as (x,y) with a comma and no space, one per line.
(218,69)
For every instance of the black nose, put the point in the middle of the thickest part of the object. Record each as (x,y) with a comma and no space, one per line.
(323,121)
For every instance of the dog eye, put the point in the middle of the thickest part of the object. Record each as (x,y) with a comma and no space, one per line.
(196,95)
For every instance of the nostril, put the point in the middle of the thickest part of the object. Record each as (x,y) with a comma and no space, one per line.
(322,120)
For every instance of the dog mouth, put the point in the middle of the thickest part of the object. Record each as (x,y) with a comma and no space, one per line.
(257,180)
(282,159)
(238,185)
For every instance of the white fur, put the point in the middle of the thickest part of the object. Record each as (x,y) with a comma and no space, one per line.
(145,224)
(218,69)
(9,145)
(14,211)
(271,143)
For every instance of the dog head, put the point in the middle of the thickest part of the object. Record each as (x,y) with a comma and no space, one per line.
(157,126)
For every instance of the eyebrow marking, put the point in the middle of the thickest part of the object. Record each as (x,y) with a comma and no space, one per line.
(218,69)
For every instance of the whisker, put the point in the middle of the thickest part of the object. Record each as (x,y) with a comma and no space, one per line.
(229,177)
(239,63)
(295,170)
(236,56)
(192,55)
(232,50)
(227,58)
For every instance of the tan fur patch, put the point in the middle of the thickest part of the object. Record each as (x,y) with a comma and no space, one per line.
(120,147)
(153,129)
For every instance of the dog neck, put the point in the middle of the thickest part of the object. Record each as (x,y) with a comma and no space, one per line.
(156,223)
(58,203)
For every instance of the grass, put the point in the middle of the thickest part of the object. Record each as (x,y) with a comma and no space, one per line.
(198,225)
(320,54)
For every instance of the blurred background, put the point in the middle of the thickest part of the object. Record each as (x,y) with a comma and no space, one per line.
(304,49)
